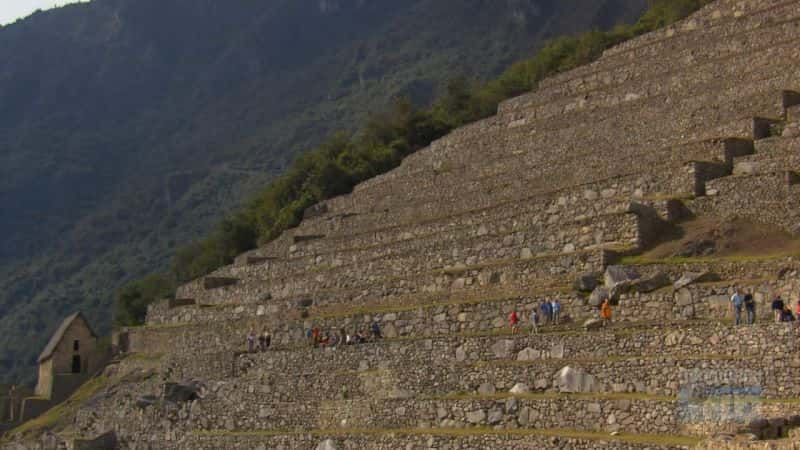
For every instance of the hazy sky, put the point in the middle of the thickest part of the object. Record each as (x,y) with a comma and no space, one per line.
(11,10)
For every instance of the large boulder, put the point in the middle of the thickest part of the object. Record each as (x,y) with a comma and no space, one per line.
(586,282)
(689,278)
(618,289)
(520,389)
(503,348)
(652,283)
(599,294)
(182,392)
(106,441)
(528,354)
(146,400)
(619,274)
(574,381)
(592,324)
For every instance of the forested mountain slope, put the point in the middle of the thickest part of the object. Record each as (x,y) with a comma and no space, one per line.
(128,127)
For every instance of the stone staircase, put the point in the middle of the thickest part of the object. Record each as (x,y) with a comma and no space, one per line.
(501,215)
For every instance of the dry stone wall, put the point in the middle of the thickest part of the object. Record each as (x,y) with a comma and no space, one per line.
(499,216)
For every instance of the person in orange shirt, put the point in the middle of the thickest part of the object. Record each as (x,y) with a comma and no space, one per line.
(605,312)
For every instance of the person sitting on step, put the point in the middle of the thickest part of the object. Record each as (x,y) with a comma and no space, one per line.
(324,339)
(786,315)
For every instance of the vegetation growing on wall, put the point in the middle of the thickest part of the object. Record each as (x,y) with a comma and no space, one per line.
(345,159)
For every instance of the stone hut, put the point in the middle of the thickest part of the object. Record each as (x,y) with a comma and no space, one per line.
(68,359)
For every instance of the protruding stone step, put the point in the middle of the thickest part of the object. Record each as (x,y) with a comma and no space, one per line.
(179,302)
(704,171)
(790,98)
(258,260)
(426,437)
(297,239)
(764,127)
(210,283)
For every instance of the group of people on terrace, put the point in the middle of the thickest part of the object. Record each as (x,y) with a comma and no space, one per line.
(745,302)
(258,343)
(319,338)
(549,312)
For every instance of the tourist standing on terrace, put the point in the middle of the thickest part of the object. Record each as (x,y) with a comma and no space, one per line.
(264,341)
(513,321)
(535,321)
(376,331)
(737,301)
(546,311)
(605,312)
(777,308)
(750,308)
(251,341)
(555,310)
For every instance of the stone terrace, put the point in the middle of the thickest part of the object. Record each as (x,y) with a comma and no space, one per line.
(701,118)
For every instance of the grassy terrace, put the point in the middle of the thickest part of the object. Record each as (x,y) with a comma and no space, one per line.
(557,396)
(644,261)
(61,413)
(644,439)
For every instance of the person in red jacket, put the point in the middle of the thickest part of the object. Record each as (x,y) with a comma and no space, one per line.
(513,320)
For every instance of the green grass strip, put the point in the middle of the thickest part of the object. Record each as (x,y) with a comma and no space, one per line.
(630,438)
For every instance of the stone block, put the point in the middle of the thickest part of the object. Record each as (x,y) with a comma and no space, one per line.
(503,348)
(574,381)
(461,354)
(586,282)
(599,294)
(557,350)
(618,274)
(651,283)
(486,389)
(519,389)
(327,444)
(689,278)
(476,417)
(495,416)
(592,324)
(529,354)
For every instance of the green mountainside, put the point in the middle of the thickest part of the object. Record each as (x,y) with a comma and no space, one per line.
(129,128)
